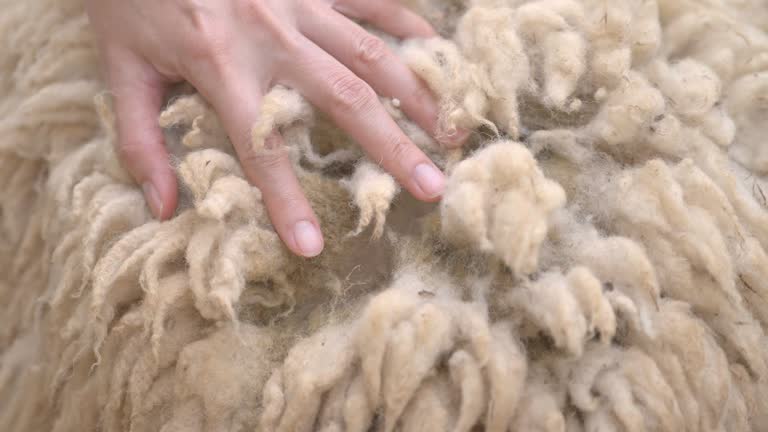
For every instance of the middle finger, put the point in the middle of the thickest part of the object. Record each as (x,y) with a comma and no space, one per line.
(353,105)
(371,59)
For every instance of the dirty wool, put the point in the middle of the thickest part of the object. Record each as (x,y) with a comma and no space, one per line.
(598,261)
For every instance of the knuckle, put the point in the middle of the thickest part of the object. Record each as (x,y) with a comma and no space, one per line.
(201,22)
(131,152)
(263,160)
(398,148)
(259,14)
(208,47)
(209,51)
(253,11)
(351,94)
(371,50)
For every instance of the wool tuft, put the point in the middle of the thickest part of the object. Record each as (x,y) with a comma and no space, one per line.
(598,262)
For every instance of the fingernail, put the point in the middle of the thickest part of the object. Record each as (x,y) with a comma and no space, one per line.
(308,239)
(429,179)
(153,199)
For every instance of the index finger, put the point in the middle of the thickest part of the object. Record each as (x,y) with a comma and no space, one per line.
(237,97)
(354,106)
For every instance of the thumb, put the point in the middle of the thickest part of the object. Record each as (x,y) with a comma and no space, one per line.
(138,91)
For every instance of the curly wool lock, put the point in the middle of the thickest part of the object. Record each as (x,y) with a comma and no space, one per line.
(598,261)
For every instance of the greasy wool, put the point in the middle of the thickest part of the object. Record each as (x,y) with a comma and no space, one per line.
(598,262)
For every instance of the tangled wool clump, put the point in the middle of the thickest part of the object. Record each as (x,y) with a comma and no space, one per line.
(499,201)
(598,261)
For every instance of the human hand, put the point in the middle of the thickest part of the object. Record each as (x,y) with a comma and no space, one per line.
(233,52)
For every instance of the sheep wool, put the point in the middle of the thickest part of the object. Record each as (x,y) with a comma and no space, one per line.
(598,262)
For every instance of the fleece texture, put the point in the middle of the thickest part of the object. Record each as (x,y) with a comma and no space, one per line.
(598,262)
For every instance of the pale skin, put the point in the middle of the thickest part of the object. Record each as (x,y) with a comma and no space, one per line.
(233,52)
